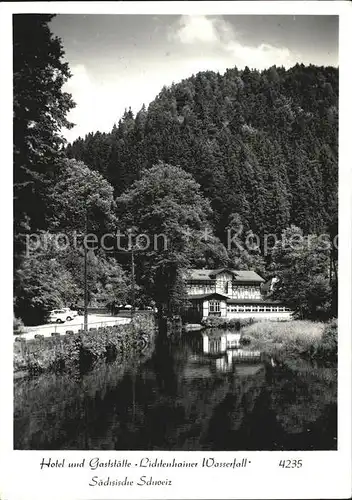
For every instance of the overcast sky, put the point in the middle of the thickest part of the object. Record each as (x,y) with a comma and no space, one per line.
(122,61)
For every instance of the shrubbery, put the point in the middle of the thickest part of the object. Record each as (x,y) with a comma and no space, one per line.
(245,340)
(315,340)
(327,348)
(18,326)
(218,322)
(63,353)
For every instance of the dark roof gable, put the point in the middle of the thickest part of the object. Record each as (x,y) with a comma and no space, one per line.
(207,296)
(210,274)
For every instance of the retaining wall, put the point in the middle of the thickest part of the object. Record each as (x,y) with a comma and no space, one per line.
(62,352)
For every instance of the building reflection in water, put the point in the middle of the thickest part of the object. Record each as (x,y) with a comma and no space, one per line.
(224,347)
(218,343)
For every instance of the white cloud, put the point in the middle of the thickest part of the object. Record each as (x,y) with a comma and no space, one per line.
(193,29)
(84,94)
(80,77)
(259,57)
(201,30)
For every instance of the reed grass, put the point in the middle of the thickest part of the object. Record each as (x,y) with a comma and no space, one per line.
(301,337)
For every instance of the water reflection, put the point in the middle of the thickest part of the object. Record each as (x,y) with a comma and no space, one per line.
(223,347)
(219,341)
(191,394)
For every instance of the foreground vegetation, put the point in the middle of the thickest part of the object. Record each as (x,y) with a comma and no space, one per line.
(81,351)
(218,322)
(282,340)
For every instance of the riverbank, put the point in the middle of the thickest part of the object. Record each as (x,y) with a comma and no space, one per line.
(313,340)
(62,353)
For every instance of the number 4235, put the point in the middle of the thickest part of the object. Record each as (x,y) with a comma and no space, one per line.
(290,464)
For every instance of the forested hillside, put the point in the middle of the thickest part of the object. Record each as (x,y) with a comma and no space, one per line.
(251,152)
(262,145)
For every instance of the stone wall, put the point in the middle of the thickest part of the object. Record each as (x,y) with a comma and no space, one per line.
(63,352)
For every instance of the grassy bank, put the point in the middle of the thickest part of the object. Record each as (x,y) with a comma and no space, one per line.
(315,340)
(66,352)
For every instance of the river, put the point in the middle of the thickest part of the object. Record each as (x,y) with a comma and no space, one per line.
(186,394)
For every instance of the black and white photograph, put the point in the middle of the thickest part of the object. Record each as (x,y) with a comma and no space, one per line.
(175,239)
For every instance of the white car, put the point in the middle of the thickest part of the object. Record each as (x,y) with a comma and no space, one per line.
(57,316)
(70,313)
(62,315)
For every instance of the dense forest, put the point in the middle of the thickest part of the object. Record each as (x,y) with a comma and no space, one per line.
(246,151)
(260,144)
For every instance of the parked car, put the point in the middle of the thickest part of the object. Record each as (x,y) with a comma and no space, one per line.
(71,313)
(57,316)
(122,307)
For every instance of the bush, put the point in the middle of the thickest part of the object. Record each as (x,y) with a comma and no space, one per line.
(327,349)
(244,340)
(212,322)
(301,338)
(18,326)
(69,352)
(218,322)
(330,333)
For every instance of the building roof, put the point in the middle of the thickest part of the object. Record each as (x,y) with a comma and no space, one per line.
(248,276)
(210,274)
(205,296)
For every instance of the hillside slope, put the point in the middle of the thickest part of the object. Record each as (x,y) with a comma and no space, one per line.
(261,144)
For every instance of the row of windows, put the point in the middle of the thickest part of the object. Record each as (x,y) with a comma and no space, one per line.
(214,307)
(250,308)
(250,289)
(246,295)
(227,284)
(224,289)
(201,289)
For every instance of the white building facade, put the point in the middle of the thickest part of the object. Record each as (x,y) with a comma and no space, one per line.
(229,293)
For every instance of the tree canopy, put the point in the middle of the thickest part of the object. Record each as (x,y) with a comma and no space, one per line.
(166,206)
(302,266)
(40,107)
(260,144)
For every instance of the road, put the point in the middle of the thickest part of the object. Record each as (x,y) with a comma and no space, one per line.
(94,321)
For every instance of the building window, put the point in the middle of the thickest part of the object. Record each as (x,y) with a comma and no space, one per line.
(214,306)
(226,287)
